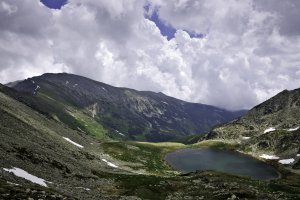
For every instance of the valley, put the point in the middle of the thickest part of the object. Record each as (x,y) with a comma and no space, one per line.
(58,136)
(149,100)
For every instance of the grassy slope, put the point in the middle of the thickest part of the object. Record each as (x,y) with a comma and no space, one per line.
(140,115)
(46,103)
(147,157)
(34,143)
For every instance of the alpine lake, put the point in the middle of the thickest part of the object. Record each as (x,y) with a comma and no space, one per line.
(232,162)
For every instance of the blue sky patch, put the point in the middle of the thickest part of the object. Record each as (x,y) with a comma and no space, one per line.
(166,29)
(195,35)
(54,4)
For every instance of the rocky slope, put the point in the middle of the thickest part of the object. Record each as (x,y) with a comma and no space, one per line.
(271,127)
(126,113)
(70,164)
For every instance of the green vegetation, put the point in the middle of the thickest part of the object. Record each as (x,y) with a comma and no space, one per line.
(33,141)
(150,156)
(144,155)
(202,185)
(89,124)
(191,139)
(220,144)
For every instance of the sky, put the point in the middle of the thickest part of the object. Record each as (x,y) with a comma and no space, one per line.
(231,54)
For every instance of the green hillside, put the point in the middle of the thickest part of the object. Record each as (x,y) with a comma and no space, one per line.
(119,113)
(104,169)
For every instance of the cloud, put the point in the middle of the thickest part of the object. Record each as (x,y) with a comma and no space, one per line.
(249,52)
(247,55)
(24,44)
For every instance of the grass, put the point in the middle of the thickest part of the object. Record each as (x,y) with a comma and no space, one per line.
(202,185)
(220,144)
(150,156)
(34,143)
(49,103)
(145,156)
(88,123)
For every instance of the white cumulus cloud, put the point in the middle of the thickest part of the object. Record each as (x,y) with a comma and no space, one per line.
(249,52)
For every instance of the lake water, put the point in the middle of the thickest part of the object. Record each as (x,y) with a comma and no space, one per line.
(189,160)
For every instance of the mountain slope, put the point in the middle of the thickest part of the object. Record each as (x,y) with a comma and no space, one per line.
(279,112)
(271,127)
(90,170)
(124,113)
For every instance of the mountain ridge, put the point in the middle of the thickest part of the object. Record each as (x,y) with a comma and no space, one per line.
(14,83)
(140,115)
(270,128)
(78,165)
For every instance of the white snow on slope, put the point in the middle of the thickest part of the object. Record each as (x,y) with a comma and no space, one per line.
(120,133)
(23,174)
(81,130)
(246,138)
(269,157)
(287,161)
(293,129)
(109,163)
(76,144)
(11,183)
(87,189)
(269,130)
(298,155)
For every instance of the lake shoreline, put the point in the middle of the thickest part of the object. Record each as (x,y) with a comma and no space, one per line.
(228,159)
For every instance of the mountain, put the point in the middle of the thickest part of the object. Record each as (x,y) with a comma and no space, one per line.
(94,107)
(43,158)
(271,127)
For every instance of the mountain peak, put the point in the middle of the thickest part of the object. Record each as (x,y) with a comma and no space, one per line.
(140,115)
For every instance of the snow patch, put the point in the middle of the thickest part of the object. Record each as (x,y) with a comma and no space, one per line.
(23,174)
(165,102)
(298,155)
(87,189)
(76,144)
(35,90)
(75,85)
(67,82)
(293,129)
(103,88)
(159,111)
(269,157)
(109,163)
(120,133)
(11,183)
(269,130)
(94,110)
(80,130)
(287,161)
(32,81)
(246,138)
